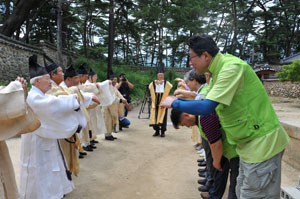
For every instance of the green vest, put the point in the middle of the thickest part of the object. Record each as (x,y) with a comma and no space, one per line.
(250,114)
(229,150)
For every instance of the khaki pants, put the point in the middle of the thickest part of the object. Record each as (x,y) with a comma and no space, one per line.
(7,175)
(260,180)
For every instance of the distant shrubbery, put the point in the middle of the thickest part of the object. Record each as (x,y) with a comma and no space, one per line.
(290,72)
(140,79)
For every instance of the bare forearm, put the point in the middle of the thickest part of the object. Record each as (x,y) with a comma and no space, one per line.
(217,152)
(130,85)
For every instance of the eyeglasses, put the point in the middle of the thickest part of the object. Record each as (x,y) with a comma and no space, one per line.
(192,57)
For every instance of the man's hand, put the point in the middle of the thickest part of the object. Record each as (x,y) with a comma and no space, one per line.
(179,79)
(96,99)
(78,99)
(178,92)
(159,82)
(124,101)
(168,101)
(217,165)
(24,85)
(97,85)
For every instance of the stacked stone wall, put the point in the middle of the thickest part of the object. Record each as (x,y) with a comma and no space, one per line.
(14,57)
(283,89)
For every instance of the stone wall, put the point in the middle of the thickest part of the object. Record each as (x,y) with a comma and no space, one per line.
(291,153)
(14,57)
(283,89)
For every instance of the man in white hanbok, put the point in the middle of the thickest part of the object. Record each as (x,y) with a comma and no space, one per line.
(15,118)
(44,174)
(88,99)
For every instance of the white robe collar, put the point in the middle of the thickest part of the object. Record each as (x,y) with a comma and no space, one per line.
(53,82)
(63,84)
(36,89)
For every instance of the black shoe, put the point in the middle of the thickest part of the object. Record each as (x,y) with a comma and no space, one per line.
(82,153)
(80,156)
(94,141)
(202,174)
(126,126)
(202,182)
(162,134)
(201,170)
(87,148)
(120,129)
(110,138)
(202,164)
(203,188)
(156,133)
(92,146)
(200,160)
(114,137)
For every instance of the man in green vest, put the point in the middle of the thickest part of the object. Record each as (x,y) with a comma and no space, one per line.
(246,115)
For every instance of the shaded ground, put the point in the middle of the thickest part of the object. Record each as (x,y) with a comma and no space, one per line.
(139,166)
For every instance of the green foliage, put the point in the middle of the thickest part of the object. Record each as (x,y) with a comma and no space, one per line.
(28,85)
(99,66)
(140,79)
(290,72)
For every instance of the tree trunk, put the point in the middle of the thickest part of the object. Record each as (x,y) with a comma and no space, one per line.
(59,33)
(18,16)
(7,9)
(137,52)
(110,38)
(153,50)
(187,64)
(29,23)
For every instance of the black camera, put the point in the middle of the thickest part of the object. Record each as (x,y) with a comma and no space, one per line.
(123,79)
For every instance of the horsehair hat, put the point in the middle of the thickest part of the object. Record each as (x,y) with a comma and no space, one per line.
(92,71)
(35,69)
(82,70)
(70,72)
(51,67)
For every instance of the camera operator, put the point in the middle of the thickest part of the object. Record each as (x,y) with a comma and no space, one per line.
(124,87)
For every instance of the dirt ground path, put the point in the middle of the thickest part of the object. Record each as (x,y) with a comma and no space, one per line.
(139,166)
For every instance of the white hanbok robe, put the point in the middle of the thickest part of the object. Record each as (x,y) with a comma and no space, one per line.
(43,174)
(97,124)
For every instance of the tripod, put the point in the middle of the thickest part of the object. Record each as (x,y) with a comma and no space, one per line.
(146,100)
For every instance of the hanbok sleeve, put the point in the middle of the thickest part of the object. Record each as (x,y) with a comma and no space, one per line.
(56,115)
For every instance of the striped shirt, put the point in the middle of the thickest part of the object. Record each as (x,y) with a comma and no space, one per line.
(211,127)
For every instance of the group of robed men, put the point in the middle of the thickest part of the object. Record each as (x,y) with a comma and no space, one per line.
(59,120)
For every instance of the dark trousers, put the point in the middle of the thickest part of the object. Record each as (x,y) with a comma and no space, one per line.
(209,162)
(163,126)
(125,111)
(220,179)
